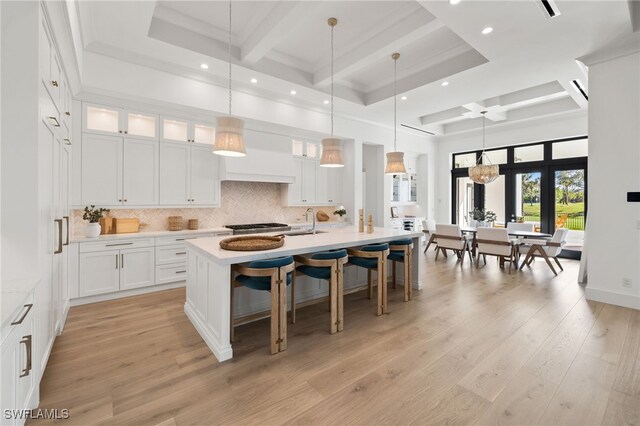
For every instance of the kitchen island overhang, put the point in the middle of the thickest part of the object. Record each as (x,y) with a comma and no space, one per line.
(209,274)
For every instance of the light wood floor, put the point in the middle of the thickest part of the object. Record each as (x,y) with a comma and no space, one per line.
(475,346)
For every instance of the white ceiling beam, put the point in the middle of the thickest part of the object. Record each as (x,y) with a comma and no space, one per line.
(442,116)
(274,28)
(383,44)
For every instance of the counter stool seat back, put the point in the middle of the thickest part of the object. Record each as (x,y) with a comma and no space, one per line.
(400,251)
(272,275)
(327,265)
(373,257)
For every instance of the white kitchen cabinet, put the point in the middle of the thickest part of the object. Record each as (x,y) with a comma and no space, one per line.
(174,173)
(329,186)
(136,268)
(140,178)
(203,171)
(101,119)
(188,175)
(99,272)
(17,368)
(307,149)
(404,188)
(181,130)
(304,189)
(140,125)
(101,170)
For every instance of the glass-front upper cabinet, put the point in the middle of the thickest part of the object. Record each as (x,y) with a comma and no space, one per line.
(404,188)
(102,119)
(180,130)
(174,130)
(141,125)
(203,134)
(307,149)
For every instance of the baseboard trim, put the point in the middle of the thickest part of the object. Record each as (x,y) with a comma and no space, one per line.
(125,293)
(221,354)
(612,298)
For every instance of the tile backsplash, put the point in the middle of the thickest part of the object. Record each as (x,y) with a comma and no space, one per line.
(241,202)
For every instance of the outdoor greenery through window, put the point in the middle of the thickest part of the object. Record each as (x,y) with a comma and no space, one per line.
(542,183)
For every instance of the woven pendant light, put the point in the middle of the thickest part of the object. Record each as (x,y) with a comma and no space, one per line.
(395,159)
(483,172)
(229,130)
(331,147)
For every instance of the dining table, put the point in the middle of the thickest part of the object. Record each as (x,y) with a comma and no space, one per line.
(513,233)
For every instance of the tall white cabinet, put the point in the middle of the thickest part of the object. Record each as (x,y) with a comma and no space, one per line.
(42,112)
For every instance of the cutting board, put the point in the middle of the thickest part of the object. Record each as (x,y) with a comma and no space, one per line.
(126,225)
(106,225)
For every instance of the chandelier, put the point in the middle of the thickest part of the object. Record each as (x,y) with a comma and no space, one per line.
(483,171)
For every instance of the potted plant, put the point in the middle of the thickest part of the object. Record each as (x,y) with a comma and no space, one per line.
(481,218)
(341,212)
(93,216)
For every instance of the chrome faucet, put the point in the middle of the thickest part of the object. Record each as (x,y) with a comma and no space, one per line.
(313,214)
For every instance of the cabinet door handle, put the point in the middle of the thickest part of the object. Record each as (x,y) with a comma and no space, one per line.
(125,200)
(116,261)
(54,83)
(120,200)
(59,222)
(67,141)
(126,132)
(68,113)
(180,272)
(122,260)
(181,252)
(186,238)
(118,244)
(66,218)
(55,121)
(27,340)
(19,321)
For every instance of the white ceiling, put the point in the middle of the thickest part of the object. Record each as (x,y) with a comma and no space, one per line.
(522,70)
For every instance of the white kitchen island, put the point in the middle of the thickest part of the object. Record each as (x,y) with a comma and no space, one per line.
(209,274)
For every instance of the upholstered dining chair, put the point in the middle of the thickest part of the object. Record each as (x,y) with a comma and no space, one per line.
(496,242)
(429,228)
(450,238)
(545,249)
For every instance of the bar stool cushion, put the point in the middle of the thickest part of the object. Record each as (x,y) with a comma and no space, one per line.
(396,256)
(264,283)
(367,262)
(320,272)
(401,242)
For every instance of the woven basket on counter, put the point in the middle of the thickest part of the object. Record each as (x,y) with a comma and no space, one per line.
(192,224)
(176,223)
(252,243)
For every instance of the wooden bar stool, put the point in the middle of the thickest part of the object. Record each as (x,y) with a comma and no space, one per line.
(373,257)
(271,275)
(400,251)
(327,265)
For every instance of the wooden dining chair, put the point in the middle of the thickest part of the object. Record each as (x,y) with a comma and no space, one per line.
(496,242)
(450,238)
(545,249)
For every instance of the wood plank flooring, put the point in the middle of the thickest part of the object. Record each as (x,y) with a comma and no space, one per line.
(476,346)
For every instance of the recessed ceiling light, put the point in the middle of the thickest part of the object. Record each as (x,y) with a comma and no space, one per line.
(403,98)
(454,1)
(445,83)
(487,30)
(204,66)
(254,80)
(293,92)
(326,102)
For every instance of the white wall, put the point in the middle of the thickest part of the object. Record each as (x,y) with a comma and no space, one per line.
(565,126)
(373,159)
(613,228)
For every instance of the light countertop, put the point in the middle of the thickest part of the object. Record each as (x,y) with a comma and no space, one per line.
(331,238)
(164,233)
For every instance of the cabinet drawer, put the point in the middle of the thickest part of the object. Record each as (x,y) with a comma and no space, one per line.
(171,273)
(171,254)
(116,245)
(179,239)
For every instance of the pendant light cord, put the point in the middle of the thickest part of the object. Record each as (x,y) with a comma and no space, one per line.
(229,57)
(332,26)
(395,105)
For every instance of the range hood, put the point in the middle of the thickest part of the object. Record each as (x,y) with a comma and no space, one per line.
(269,159)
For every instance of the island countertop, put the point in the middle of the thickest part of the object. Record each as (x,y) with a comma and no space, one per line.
(327,239)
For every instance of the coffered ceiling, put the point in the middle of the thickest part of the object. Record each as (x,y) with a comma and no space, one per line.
(522,70)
